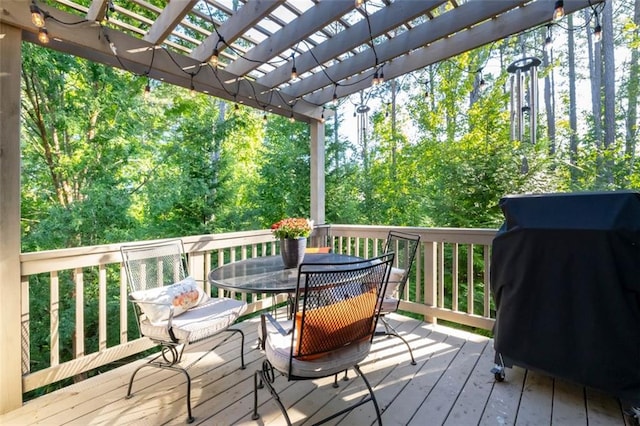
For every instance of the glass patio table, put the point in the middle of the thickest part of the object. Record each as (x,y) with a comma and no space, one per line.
(267,274)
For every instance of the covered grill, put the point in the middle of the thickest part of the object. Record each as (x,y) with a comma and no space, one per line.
(565,277)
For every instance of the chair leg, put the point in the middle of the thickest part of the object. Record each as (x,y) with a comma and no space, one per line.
(266,377)
(190,417)
(390,331)
(371,398)
(235,330)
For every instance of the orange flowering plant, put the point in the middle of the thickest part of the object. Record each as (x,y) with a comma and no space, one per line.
(292,227)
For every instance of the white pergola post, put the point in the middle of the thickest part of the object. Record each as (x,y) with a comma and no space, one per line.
(10,300)
(316,129)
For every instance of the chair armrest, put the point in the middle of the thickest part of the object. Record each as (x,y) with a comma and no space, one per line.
(273,322)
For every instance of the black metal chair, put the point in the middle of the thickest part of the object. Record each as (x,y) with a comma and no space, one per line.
(172,309)
(320,239)
(404,246)
(331,330)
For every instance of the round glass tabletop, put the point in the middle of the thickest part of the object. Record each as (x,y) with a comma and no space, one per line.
(267,274)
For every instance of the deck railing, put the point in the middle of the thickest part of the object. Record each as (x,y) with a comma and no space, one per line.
(75,300)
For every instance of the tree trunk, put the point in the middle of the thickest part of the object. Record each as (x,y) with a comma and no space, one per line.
(609,87)
(549,100)
(595,71)
(631,123)
(573,120)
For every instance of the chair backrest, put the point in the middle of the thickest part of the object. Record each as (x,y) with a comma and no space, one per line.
(336,305)
(405,247)
(154,265)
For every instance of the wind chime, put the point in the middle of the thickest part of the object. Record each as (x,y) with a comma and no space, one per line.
(524,97)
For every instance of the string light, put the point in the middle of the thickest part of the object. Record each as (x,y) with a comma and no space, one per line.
(381,76)
(214,58)
(335,95)
(482,83)
(597,30)
(294,70)
(264,118)
(292,118)
(43,35)
(558,10)
(376,79)
(37,17)
(597,33)
(192,89)
(426,90)
(113,48)
(147,91)
(359,3)
(322,120)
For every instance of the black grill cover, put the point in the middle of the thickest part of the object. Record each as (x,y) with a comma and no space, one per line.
(565,277)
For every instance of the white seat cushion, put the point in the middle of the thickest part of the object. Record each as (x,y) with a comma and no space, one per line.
(199,322)
(278,352)
(395,277)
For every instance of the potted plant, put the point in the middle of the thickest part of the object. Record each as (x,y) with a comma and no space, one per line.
(293,233)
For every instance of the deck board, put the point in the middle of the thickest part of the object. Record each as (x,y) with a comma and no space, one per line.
(450,385)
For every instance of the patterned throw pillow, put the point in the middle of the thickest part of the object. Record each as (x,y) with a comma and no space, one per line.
(156,302)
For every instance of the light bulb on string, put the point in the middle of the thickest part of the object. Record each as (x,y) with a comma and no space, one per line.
(147,91)
(37,17)
(264,118)
(43,35)
(359,3)
(214,58)
(597,30)
(597,33)
(558,10)
(294,73)
(292,119)
(381,77)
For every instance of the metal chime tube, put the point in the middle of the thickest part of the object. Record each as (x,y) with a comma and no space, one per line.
(519,104)
(512,109)
(533,105)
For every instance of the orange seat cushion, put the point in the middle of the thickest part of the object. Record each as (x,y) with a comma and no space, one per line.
(333,326)
(317,250)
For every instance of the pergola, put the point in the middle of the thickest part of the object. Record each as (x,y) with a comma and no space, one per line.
(287,57)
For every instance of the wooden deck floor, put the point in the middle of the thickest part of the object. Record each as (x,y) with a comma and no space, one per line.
(451,385)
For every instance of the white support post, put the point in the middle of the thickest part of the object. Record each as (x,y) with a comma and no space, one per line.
(10,292)
(317,172)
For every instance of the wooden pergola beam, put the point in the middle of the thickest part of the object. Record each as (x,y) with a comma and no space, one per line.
(382,21)
(451,22)
(91,41)
(168,20)
(237,24)
(309,22)
(507,24)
